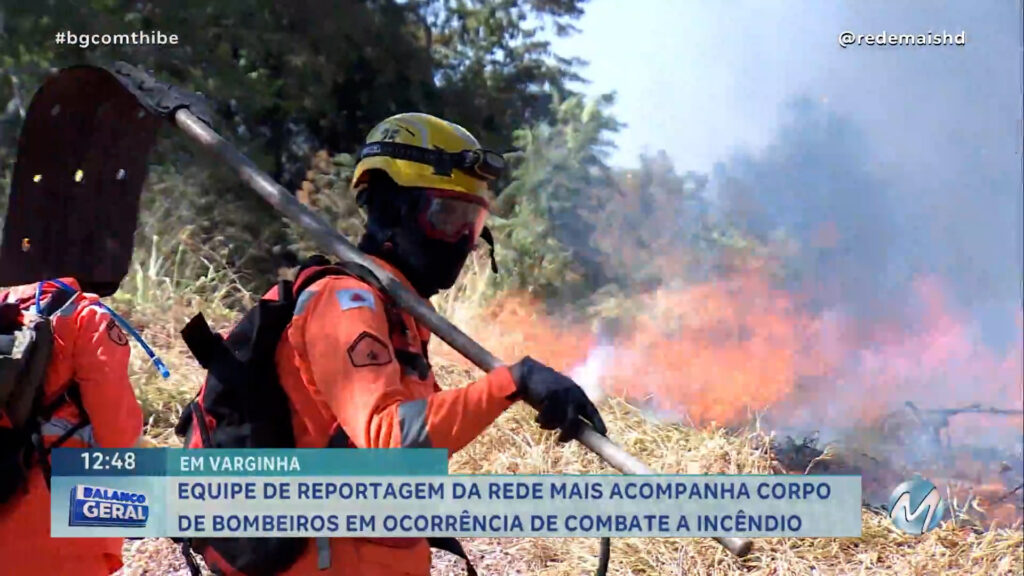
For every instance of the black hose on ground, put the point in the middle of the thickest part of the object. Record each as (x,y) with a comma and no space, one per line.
(605,556)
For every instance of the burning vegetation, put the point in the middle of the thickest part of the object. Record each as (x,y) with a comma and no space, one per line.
(735,354)
(741,359)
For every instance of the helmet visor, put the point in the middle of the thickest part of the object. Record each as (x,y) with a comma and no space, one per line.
(447,215)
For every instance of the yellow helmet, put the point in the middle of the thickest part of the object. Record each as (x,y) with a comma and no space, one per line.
(422,151)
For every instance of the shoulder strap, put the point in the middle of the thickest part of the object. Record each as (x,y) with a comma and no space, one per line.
(59,298)
(309,276)
(319,267)
(73,395)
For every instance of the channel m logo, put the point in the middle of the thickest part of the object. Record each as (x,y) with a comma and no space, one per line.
(916,507)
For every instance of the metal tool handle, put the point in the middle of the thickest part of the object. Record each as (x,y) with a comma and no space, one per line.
(329,238)
(169,101)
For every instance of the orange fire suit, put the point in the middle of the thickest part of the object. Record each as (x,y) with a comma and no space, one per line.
(339,366)
(91,349)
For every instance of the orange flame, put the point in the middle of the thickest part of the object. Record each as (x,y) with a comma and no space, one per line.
(714,353)
(939,364)
(518,326)
(711,352)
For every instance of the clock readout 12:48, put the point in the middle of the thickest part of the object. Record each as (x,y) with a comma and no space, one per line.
(99,461)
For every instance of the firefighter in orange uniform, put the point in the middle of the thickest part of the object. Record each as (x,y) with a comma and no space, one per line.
(88,401)
(423,183)
(68,233)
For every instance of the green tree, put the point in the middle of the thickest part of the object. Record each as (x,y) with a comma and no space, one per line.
(288,78)
(544,216)
(496,71)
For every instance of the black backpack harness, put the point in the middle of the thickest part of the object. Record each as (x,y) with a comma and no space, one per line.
(243,405)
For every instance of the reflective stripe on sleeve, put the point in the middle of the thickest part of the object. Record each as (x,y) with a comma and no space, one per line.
(323,553)
(412,417)
(58,426)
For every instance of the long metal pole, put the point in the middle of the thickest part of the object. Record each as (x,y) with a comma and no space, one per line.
(329,238)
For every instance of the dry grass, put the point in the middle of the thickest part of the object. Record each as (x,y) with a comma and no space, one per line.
(515,445)
(159,297)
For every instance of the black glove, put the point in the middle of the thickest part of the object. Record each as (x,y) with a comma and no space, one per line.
(559,402)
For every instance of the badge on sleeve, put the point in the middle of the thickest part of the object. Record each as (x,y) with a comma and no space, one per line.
(116,334)
(369,350)
(355,298)
(303,301)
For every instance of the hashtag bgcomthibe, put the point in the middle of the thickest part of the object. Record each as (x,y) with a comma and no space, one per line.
(149,38)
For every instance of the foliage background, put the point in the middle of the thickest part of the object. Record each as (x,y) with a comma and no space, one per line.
(297,85)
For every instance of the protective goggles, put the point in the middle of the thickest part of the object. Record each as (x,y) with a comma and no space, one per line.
(447,215)
(480,164)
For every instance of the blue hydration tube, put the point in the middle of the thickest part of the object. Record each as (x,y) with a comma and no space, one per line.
(160,366)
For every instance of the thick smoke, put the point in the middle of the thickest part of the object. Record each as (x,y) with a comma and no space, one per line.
(892,193)
(907,166)
(898,177)
(899,317)
(945,135)
(815,185)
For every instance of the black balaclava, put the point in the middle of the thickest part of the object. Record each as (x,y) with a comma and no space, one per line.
(393,234)
(101,289)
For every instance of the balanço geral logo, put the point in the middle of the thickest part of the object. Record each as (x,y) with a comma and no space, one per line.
(96,506)
(916,507)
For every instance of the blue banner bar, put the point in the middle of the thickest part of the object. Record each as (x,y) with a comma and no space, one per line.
(527,506)
(249,462)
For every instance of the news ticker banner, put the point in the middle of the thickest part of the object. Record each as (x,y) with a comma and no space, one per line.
(408,493)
